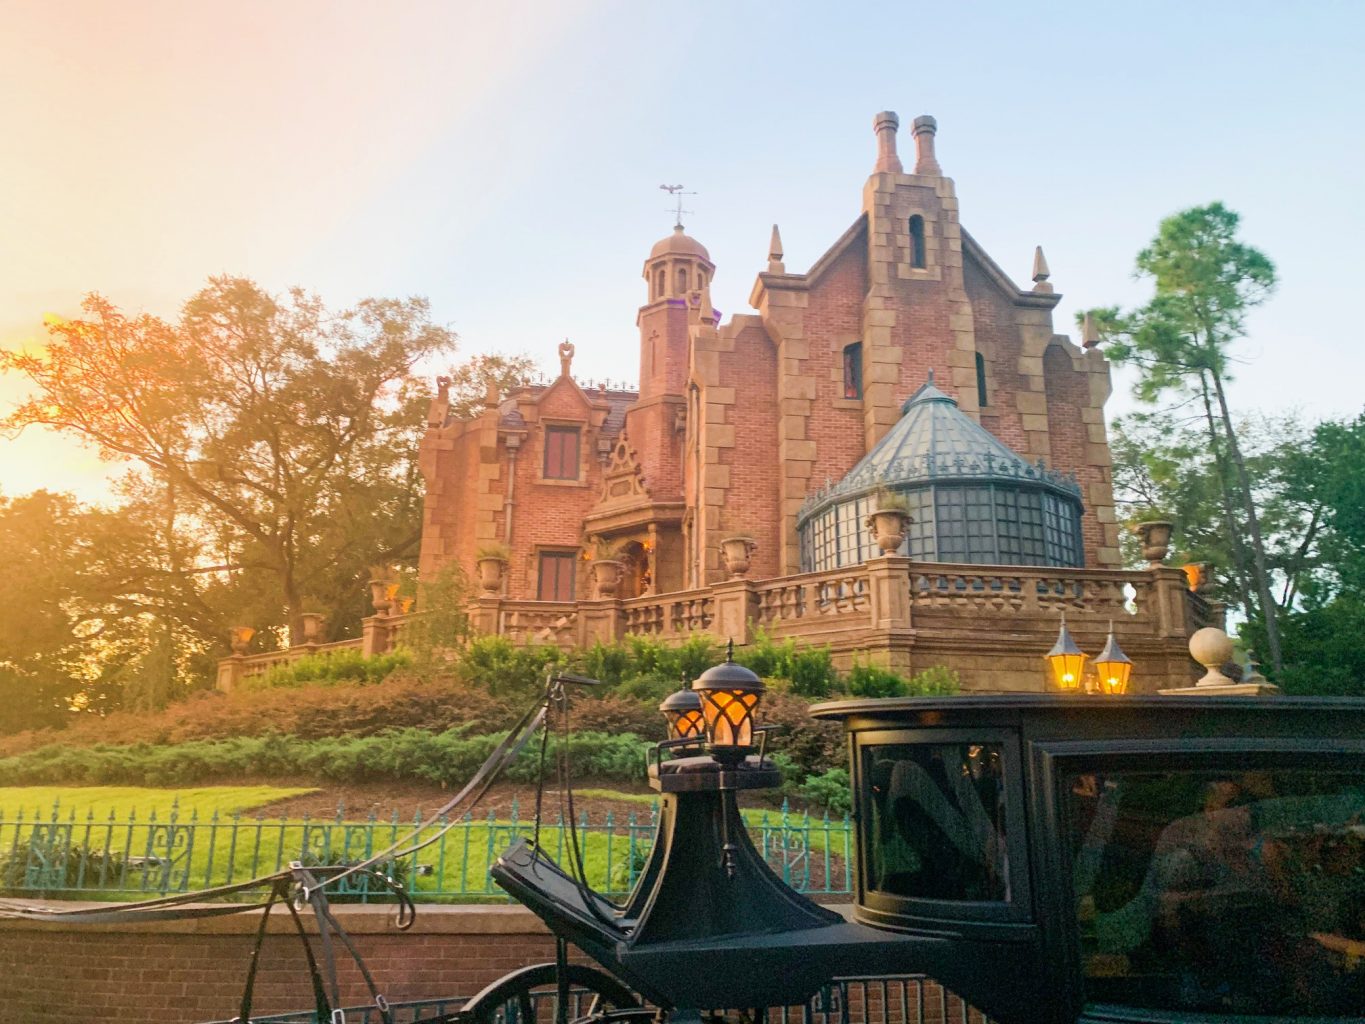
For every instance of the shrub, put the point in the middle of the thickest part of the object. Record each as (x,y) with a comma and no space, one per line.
(814,746)
(502,667)
(831,790)
(871,681)
(810,670)
(449,758)
(935,681)
(345,666)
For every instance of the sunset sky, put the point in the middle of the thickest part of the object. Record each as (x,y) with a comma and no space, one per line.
(504,159)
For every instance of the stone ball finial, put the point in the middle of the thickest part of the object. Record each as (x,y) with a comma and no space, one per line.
(1212,648)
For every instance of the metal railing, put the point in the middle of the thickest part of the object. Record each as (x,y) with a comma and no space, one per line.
(889,999)
(56,855)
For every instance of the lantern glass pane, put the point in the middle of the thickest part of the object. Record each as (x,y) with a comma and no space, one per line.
(1067,670)
(1113,676)
(729,717)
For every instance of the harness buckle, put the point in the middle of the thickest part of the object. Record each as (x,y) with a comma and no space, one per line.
(338,1016)
(381,1002)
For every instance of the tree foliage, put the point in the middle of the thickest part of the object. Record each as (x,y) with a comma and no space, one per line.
(1206,281)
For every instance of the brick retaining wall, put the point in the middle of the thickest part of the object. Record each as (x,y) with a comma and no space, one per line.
(186,971)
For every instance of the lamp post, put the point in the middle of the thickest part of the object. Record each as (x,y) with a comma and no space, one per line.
(1066,660)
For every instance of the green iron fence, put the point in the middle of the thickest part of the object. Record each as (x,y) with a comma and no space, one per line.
(57,855)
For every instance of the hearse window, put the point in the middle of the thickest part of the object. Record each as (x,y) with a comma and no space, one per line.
(936,821)
(1224,892)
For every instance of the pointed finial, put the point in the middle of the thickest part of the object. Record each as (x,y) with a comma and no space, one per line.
(565,357)
(931,375)
(730,650)
(1040,271)
(1090,332)
(775,265)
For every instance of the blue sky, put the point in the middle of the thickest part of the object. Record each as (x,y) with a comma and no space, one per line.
(504,160)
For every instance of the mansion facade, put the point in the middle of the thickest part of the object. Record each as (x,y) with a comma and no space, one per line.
(904,359)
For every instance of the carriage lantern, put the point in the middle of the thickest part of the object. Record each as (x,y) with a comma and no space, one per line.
(1113,666)
(730,696)
(683,712)
(1066,660)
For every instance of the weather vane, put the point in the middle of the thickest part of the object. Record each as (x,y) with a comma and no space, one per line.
(676,191)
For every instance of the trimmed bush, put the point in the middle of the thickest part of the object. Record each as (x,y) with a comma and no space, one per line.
(448,758)
(329,669)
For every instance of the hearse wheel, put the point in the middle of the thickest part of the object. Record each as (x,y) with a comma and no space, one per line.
(528,996)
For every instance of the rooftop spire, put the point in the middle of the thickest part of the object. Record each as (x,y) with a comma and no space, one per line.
(775,264)
(676,191)
(925,161)
(1040,271)
(885,125)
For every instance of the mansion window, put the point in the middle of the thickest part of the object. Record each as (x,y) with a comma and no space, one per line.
(917,241)
(853,370)
(981,381)
(556,576)
(561,453)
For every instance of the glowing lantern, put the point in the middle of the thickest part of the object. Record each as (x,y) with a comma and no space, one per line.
(1066,660)
(682,712)
(1113,666)
(730,696)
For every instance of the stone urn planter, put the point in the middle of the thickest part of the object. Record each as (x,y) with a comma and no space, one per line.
(239,638)
(1155,535)
(606,577)
(736,554)
(887,525)
(492,568)
(312,626)
(380,581)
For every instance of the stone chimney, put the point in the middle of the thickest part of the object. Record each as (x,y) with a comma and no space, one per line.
(885,125)
(925,162)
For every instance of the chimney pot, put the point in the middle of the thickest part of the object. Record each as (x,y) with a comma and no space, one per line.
(885,125)
(925,127)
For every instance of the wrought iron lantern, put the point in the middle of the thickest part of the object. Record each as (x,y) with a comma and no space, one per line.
(683,713)
(1112,666)
(730,696)
(1066,660)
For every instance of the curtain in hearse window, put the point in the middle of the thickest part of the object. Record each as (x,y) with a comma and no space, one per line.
(1227,892)
(935,826)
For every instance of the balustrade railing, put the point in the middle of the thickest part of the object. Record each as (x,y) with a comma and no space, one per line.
(540,622)
(838,592)
(679,614)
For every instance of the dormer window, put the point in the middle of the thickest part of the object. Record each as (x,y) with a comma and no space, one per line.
(561,453)
(917,241)
(853,370)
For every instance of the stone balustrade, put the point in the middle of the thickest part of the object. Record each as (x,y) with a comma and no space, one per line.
(991,624)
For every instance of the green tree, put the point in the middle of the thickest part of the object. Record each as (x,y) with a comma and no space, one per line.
(1206,282)
(281,427)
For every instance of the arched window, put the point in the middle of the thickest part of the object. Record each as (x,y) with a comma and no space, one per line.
(682,280)
(659,284)
(853,370)
(980,380)
(917,241)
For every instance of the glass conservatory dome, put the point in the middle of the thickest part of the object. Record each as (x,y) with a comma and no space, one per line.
(971,498)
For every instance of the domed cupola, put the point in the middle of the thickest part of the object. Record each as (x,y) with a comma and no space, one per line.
(971,498)
(677,267)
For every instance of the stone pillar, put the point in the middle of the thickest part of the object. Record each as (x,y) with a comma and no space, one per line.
(374,635)
(891,627)
(1169,606)
(601,621)
(230,671)
(735,609)
(484,614)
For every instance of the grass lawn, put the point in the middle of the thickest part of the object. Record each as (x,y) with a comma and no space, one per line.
(139,800)
(150,854)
